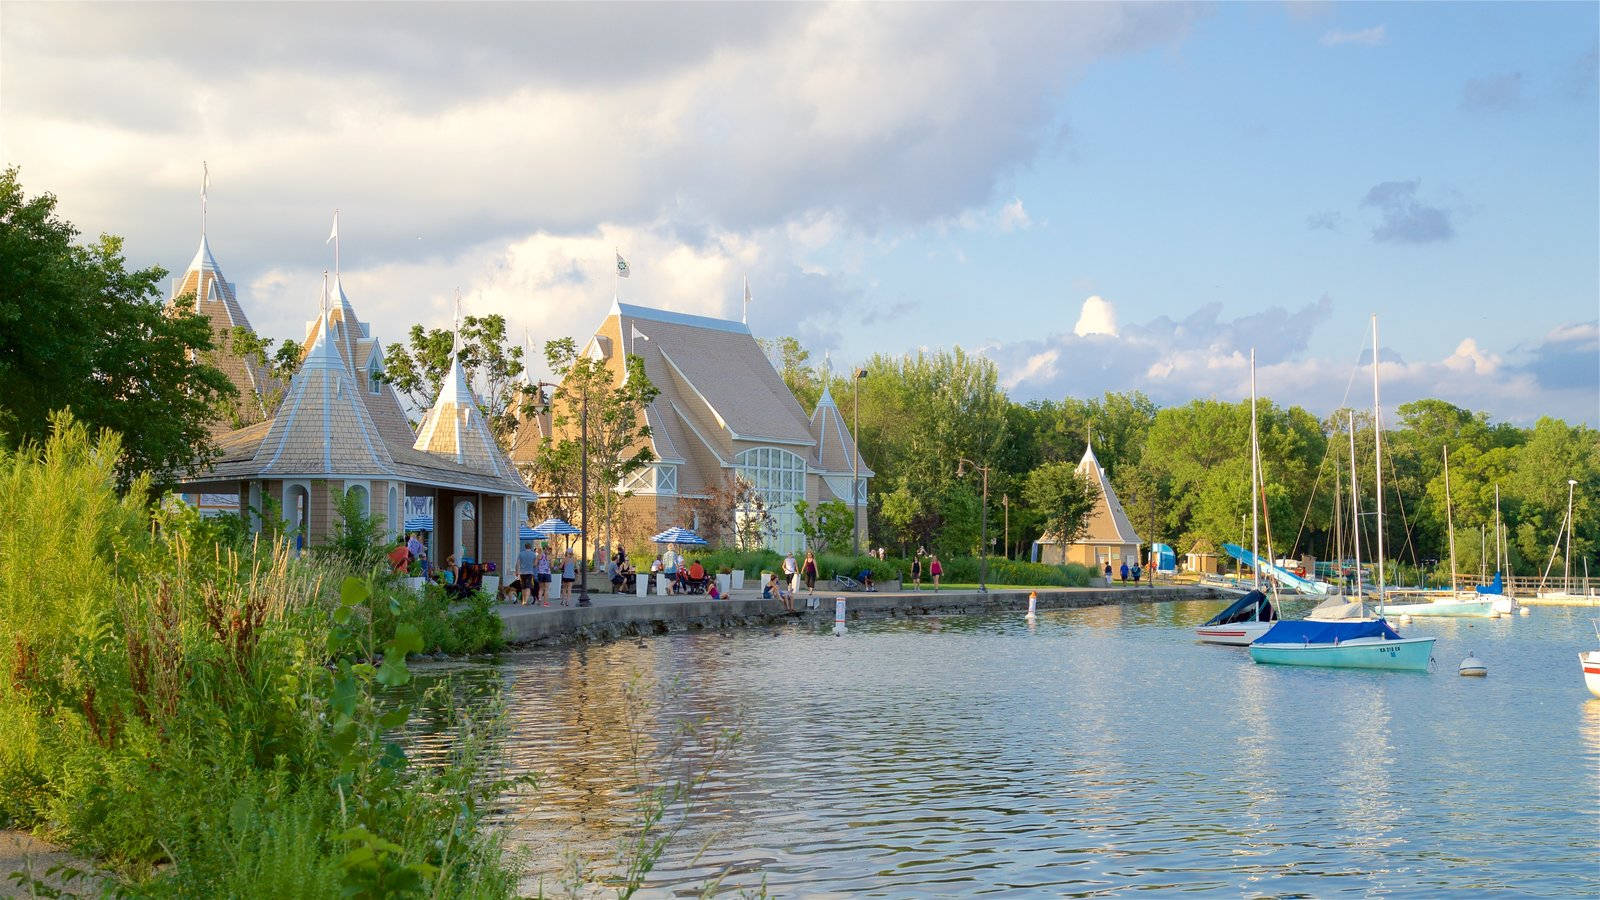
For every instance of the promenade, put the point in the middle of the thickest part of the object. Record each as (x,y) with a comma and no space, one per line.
(622,615)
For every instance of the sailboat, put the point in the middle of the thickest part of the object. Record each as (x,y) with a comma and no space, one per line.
(1566,595)
(1365,643)
(1253,614)
(1453,603)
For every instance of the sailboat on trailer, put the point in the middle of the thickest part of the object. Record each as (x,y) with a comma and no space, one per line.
(1365,643)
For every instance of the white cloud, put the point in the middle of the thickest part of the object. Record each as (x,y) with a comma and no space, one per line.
(1013,217)
(1097,317)
(1367,37)
(1468,358)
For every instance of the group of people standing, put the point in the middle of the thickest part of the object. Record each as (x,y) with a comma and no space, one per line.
(537,571)
(1135,570)
(935,570)
(794,574)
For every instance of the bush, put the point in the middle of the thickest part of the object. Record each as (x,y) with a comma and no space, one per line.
(219,711)
(446,625)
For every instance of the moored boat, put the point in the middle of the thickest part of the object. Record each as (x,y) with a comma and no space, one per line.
(1242,622)
(1362,644)
(1591,670)
(1453,605)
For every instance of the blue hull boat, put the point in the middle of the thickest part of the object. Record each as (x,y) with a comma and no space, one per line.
(1363,644)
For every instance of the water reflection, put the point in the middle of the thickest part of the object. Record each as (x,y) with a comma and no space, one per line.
(1095,750)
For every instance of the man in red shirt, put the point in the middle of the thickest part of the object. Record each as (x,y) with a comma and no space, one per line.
(400,558)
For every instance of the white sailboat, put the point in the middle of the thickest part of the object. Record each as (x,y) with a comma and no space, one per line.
(1253,614)
(1454,603)
(1366,643)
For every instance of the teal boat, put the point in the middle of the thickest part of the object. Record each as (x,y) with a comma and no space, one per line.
(1357,644)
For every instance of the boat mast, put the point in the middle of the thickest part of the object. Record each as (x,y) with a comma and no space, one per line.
(1499,546)
(1338,520)
(1566,563)
(1355,503)
(1450,518)
(1255,464)
(1377,449)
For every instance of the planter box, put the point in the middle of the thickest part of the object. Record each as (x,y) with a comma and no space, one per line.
(491,584)
(724,584)
(414,582)
(738,579)
(641,584)
(663,585)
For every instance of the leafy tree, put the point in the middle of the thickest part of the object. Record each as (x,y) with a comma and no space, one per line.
(592,401)
(898,513)
(492,365)
(78,331)
(279,365)
(1063,497)
(789,358)
(827,529)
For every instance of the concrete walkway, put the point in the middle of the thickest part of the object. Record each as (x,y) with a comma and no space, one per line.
(618,615)
(22,852)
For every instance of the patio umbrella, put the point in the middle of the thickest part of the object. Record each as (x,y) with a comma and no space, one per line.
(680,536)
(555,525)
(419,523)
(529,533)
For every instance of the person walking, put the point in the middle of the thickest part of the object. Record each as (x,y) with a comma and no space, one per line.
(1108,574)
(916,572)
(541,570)
(791,572)
(1136,573)
(808,570)
(1124,573)
(527,568)
(935,569)
(569,574)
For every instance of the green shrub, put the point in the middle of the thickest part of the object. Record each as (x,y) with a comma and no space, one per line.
(173,698)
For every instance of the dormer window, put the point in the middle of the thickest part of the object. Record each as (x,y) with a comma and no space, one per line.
(374,372)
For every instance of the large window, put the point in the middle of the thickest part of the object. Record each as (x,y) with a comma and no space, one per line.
(780,477)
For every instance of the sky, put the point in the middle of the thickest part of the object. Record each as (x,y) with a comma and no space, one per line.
(1097,197)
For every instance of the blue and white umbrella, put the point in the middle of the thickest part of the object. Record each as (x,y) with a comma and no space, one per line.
(529,533)
(554,525)
(419,523)
(680,536)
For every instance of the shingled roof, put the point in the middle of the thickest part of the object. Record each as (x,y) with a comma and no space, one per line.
(836,448)
(1108,524)
(216,299)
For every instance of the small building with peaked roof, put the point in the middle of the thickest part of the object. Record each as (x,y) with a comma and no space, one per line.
(1109,537)
(216,299)
(723,412)
(340,429)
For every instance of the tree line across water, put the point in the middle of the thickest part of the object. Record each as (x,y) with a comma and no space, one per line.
(110,352)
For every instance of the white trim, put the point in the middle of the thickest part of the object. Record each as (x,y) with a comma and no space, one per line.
(696,391)
(683,417)
(673,318)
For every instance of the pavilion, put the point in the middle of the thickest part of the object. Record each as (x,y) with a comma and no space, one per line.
(338,429)
(1109,537)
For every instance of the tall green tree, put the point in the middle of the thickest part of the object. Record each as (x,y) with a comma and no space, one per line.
(1063,497)
(591,408)
(79,331)
(792,362)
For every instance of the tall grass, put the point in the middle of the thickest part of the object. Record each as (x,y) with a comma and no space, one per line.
(210,719)
(962,569)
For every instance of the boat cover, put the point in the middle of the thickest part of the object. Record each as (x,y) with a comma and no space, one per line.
(1252,607)
(1497,587)
(1166,559)
(1306,631)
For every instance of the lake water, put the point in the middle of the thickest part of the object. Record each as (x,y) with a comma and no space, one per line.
(1100,751)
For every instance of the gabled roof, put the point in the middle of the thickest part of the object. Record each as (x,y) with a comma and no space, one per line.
(454,427)
(1108,524)
(322,426)
(836,448)
(715,372)
(216,300)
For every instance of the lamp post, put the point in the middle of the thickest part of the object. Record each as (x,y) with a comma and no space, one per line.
(983,533)
(855,463)
(1005,501)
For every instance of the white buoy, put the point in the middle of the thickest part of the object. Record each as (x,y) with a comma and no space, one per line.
(1473,666)
(1033,603)
(1525,612)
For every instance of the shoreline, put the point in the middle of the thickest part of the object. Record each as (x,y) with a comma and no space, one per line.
(615,616)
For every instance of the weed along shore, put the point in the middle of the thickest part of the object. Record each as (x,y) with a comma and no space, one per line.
(614,616)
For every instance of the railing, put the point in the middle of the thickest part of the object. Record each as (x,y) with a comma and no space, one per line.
(1530,585)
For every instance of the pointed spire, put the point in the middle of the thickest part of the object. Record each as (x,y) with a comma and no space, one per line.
(455,343)
(334,237)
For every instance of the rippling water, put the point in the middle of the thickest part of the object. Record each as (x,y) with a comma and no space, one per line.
(1100,751)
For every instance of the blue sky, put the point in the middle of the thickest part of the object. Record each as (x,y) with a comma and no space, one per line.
(889,177)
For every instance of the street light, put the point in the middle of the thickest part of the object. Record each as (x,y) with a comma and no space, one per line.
(583,487)
(855,464)
(983,536)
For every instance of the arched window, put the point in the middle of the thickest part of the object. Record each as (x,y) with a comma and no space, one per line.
(394,523)
(363,499)
(780,478)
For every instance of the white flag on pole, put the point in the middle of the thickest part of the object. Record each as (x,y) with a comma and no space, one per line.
(637,334)
(332,235)
(205,179)
(747,290)
(622,267)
